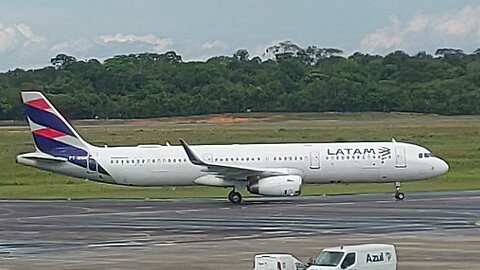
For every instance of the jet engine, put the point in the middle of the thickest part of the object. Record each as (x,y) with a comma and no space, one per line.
(280,186)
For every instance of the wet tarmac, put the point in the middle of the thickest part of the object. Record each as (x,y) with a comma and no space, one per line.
(429,229)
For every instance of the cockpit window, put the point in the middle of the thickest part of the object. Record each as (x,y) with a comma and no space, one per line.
(425,155)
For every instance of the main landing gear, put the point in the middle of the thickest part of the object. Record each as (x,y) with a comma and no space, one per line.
(398,194)
(235,197)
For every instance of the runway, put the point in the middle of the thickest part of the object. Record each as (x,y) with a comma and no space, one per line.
(210,234)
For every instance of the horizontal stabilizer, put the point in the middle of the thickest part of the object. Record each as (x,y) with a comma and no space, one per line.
(38,156)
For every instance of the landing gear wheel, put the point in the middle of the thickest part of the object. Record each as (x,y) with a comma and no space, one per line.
(235,197)
(398,194)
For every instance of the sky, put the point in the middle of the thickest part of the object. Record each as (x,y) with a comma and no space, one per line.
(34,31)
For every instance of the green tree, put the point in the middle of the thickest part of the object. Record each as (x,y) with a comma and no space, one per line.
(62,60)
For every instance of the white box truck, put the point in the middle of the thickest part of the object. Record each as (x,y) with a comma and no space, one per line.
(358,257)
(277,262)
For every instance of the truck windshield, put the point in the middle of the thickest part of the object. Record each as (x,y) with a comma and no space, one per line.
(329,258)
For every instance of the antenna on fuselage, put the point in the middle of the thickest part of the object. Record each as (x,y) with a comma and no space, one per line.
(167,144)
(393,140)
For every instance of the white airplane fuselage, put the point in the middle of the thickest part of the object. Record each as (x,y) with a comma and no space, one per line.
(316,162)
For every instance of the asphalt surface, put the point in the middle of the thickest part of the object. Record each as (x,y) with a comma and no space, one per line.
(430,229)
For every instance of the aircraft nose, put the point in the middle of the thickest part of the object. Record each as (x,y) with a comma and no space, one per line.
(441,166)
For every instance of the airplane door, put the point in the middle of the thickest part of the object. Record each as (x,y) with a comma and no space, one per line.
(400,160)
(314,160)
(208,158)
(91,165)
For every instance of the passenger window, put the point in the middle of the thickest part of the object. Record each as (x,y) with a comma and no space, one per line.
(349,260)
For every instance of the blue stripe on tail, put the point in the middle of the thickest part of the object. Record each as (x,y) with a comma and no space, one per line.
(59,149)
(48,119)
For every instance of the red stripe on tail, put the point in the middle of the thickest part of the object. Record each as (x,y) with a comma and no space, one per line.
(49,133)
(39,104)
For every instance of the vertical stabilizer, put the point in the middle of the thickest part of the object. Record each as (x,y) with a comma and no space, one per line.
(52,134)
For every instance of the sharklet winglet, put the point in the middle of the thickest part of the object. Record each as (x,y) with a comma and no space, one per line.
(194,159)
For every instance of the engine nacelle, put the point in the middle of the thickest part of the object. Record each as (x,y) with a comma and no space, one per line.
(281,186)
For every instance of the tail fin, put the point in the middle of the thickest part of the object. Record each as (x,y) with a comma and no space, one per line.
(52,134)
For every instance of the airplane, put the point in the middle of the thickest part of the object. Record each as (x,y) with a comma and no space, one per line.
(264,169)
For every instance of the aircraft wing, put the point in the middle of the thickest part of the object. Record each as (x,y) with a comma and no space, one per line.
(226,171)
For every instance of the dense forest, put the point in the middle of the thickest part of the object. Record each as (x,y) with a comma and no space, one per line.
(287,78)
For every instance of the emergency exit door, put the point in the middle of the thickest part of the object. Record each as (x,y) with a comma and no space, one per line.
(208,158)
(314,160)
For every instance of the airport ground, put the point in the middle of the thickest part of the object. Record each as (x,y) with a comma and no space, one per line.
(431,230)
(454,138)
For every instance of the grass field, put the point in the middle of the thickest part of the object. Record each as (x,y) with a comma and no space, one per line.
(453,138)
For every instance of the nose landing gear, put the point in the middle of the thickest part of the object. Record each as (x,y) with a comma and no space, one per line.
(235,197)
(398,194)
